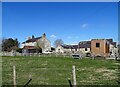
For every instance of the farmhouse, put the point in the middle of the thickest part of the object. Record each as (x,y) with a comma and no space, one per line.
(38,44)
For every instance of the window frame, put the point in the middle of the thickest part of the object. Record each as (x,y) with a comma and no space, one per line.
(86,49)
(97,45)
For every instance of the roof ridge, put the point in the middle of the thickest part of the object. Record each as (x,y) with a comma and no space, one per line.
(32,39)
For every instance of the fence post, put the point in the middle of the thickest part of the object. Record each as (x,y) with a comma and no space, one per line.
(14,76)
(70,83)
(74,76)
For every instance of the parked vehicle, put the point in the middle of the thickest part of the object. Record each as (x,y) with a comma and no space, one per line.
(76,56)
(47,52)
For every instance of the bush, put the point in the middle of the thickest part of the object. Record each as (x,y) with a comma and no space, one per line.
(19,50)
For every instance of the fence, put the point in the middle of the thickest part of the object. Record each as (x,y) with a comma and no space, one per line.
(50,71)
(10,54)
(48,55)
(34,54)
(39,76)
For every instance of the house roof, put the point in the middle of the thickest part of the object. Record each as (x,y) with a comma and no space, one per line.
(76,46)
(110,40)
(32,40)
(113,43)
(70,46)
(85,44)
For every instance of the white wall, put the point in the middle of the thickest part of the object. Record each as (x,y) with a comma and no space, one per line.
(59,49)
(29,44)
(113,50)
(47,45)
(83,50)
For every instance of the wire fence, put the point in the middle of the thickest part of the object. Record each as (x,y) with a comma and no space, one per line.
(39,76)
(51,76)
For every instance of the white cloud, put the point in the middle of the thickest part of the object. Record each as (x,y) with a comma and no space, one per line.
(84,25)
(53,36)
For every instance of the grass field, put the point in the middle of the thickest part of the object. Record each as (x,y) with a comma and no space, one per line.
(57,71)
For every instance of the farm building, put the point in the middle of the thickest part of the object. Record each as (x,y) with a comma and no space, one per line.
(67,49)
(103,47)
(96,47)
(82,47)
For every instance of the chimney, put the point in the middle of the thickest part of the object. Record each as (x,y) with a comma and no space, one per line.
(33,36)
(44,35)
(29,38)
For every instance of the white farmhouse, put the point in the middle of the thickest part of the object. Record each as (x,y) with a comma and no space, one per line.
(38,44)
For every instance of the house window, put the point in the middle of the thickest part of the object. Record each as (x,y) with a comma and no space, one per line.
(58,50)
(75,49)
(85,49)
(97,44)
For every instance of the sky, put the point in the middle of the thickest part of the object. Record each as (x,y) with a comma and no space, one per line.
(70,21)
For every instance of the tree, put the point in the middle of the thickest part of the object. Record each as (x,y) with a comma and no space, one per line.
(58,42)
(9,44)
(19,50)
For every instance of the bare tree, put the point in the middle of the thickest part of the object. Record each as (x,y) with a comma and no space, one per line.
(58,42)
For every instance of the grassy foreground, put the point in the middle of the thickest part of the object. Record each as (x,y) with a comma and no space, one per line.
(57,71)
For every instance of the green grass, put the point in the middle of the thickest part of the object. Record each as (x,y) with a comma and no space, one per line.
(57,70)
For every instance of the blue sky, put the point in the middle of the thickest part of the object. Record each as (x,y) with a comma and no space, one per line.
(71,22)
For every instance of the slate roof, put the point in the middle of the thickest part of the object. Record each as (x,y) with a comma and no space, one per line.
(85,44)
(114,43)
(32,40)
(110,40)
(70,46)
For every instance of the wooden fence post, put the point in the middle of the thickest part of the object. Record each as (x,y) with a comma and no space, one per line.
(14,76)
(74,76)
